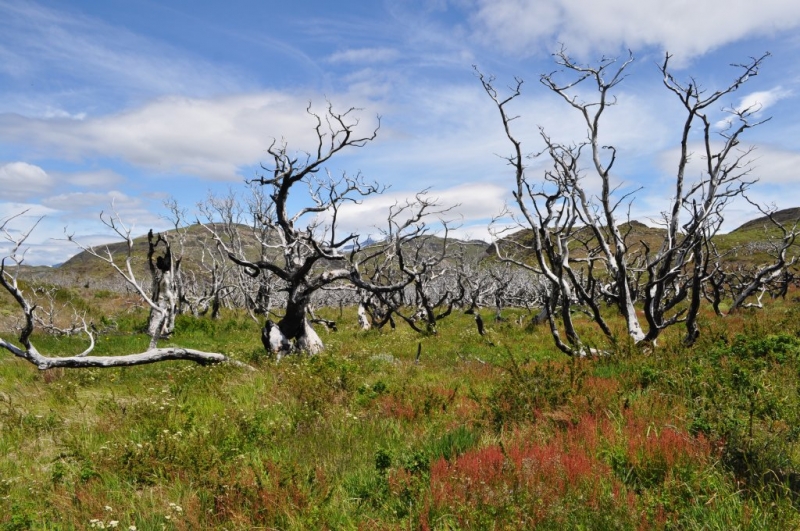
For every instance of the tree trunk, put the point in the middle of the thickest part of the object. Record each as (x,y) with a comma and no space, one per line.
(161,322)
(295,326)
(309,341)
(363,321)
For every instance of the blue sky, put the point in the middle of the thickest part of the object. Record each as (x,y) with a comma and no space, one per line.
(137,102)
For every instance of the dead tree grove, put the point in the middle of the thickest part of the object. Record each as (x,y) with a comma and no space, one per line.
(578,239)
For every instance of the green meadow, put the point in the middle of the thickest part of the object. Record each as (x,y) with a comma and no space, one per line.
(481,432)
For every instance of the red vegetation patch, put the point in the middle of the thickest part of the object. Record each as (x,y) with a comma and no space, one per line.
(523,473)
(667,447)
(539,476)
(397,407)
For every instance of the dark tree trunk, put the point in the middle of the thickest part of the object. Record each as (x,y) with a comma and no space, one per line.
(294,324)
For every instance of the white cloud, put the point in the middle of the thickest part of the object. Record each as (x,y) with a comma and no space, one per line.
(80,211)
(773,169)
(20,180)
(756,103)
(682,27)
(209,138)
(769,165)
(91,201)
(364,55)
(474,201)
(737,212)
(763,99)
(777,166)
(477,231)
(24,213)
(469,207)
(21,218)
(102,179)
(52,112)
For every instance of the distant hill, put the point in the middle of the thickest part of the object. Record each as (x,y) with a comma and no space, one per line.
(637,235)
(788,217)
(748,245)
(86,271)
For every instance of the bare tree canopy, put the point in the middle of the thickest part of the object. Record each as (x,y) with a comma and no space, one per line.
(577,238)
(305,249)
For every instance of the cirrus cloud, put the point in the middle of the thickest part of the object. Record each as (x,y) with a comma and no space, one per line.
(364,55)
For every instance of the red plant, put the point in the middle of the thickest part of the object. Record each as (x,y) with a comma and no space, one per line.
(396,407)
(523,473)
(668,445)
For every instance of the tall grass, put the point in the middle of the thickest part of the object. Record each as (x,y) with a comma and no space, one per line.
(492,432)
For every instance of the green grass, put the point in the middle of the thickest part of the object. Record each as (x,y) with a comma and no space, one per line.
(494,432)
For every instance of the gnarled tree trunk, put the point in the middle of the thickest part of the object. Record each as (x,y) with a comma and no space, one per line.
(161,322)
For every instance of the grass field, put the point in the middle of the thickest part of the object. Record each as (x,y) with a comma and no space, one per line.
(494,432)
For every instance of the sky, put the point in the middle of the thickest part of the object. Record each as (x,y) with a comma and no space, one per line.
(119,106)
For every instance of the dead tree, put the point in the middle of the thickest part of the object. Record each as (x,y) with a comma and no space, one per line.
(164,274)
(472,279)
(162,299)
(550,210)
(304,249)
(232,226)
(608,247)
(678,270)
(774,277)
(24,349)
(411,257)
(49,317)
(576,237)
(203,284)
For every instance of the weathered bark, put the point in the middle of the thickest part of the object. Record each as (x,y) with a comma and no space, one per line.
(292,324)
(273,340)
(363,321)
(150,356)
(163,269)
(308,341)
